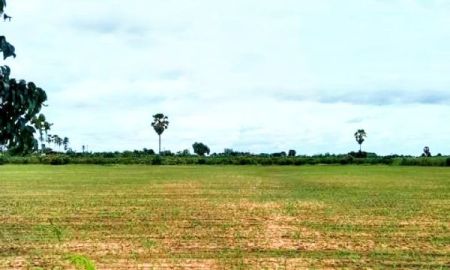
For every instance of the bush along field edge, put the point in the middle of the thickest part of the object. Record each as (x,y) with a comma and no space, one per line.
(139,157)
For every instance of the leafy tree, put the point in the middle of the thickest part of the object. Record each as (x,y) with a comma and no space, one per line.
(20,102)
(166,153)
(360,134)
(280,154)
(200,149)
(292,153)
(159,124)
(148,151)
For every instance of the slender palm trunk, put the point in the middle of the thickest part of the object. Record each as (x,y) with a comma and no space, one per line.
(360,147)
(159,144)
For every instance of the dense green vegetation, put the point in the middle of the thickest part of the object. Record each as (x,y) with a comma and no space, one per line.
(224,217)
(20,105)
(184,158)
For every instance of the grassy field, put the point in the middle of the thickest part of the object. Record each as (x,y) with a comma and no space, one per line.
(144,217)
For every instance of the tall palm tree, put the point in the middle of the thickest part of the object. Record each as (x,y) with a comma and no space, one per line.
(39,122)
(49,139)
(59,142)
(47,126)
(159,124)
(65,142)
(360,134)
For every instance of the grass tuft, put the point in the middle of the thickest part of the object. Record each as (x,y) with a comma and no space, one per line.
(81,262)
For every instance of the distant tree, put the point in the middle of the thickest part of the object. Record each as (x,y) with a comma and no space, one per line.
(47,128)
(292,153)
(166,153)
(58,141)
(159,124)
(65,143)
(280,154)
(20,102)
(426,152)
(148,151)
(184,153)
(228,152)
(49,139)
(42,127)
(200,149)
(360,134)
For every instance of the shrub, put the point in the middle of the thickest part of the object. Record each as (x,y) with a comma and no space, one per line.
(201,161)
(358,154)
(265,161)
(53,160)
(81,262)
(246,161)
(299,162)
(285,161)
(346,160)
(423,161)
(157,160)
(108,155)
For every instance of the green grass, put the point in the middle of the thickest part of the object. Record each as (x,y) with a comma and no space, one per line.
(239,217)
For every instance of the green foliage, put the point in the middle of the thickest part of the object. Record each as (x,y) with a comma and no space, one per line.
(55,159)
(200,149)
(20,103)
(280,154)
(57,231)
(425,161)
(81,262)
(359,154)
(7,49)
(160,123)
(157,160)
(49,232)
(426,152)
(149,243)
(142,157)
(2,5)
(360,134)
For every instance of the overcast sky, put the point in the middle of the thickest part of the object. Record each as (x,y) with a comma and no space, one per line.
(252,75)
